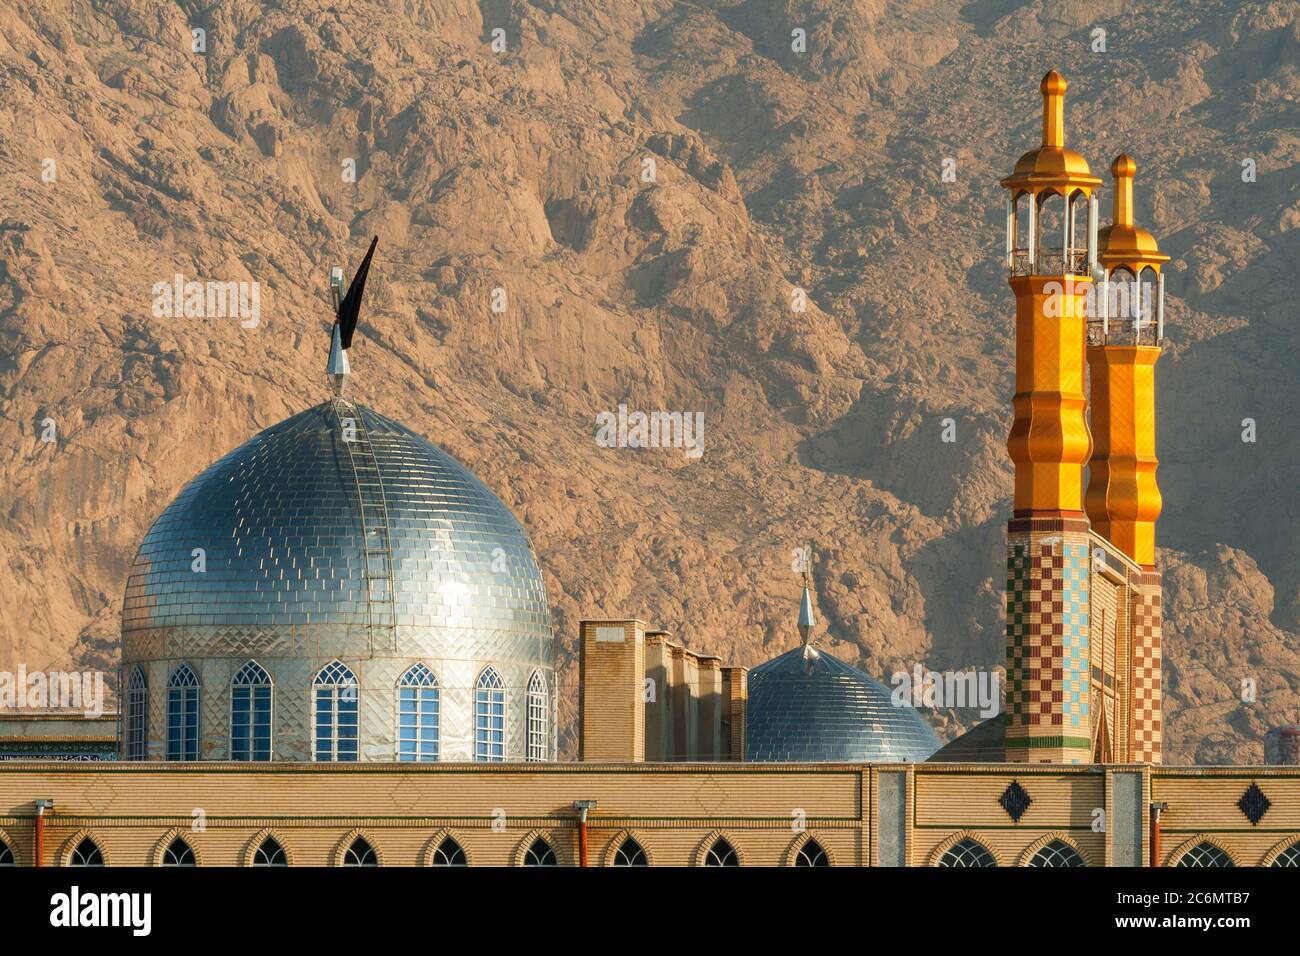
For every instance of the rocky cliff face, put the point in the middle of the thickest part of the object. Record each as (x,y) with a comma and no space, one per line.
(647,182)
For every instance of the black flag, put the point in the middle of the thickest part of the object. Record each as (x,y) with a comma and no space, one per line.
(350,307)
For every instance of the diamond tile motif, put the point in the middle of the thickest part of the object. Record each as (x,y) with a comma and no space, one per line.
(1254,804)
(1015,800)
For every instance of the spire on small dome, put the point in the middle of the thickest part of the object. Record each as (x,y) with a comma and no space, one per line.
(806,619)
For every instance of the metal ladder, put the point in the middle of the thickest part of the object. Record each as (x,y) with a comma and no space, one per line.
(381,622)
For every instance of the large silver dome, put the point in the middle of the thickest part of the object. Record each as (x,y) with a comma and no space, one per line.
(340,535)
(807,706)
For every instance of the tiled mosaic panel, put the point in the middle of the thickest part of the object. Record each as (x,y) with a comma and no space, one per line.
(1146,676)
(1047,636)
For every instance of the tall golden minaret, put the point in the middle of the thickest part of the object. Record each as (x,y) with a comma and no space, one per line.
(1051,251)
(1123,500)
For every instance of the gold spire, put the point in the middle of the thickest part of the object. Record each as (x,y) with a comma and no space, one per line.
(1053,89)
(1123,169)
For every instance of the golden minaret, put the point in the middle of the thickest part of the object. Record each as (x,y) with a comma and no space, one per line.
(1123,500)
(1051,252)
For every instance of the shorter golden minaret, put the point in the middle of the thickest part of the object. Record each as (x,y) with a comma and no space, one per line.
(1122,498)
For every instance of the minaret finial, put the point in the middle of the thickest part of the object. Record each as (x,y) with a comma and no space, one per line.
(347,309)
(1123,169)
(1053,89)
(806,620)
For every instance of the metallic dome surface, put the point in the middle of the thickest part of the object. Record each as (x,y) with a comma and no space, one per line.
(339,534)
(807,706)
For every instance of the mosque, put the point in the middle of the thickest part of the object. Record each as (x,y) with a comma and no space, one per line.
(337,650)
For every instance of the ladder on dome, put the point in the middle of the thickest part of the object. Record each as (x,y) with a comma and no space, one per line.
(381,623)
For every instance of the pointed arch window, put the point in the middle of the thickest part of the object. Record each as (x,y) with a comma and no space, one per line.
(489,718)
(360,853)
(1289,857)
(7,857)
(538,739)
(811,854)
(270,853)
(449,853)
(335,698)
(183,714)
(178,853)
(722,853)
(87,853)
(1205,854)
(250,713)
(1057,853)
(967,852)
(137,721)
(539,853)
(417,715)
(630,853)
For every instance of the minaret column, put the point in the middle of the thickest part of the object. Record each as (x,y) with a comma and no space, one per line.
(1123,499)
(1048,686)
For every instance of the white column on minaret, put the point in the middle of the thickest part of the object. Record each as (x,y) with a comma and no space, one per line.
(1105,305)
(1092,235)
(1067,219)
(1033,232)
(1160,311)
(1137,307)
(1011,230)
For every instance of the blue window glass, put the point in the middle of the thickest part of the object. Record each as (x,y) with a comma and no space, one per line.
(137,702)
(250,714)
(335,693)
(489,718)
(183,714)
(417,715)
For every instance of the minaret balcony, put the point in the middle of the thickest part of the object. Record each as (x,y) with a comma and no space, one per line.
(1143,331)
(1050,261)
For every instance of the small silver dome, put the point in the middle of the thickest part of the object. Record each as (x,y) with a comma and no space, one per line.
(807,706)
(339,534)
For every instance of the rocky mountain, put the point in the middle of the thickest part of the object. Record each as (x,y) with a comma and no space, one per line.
(640,188)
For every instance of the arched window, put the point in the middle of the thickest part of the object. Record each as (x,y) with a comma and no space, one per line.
(137,704)
(1289,857)
(336,713)
(1050,241)
(967,852)
(1057,853)
(360,853)
(539,853)
(721,853)
(538,748)
(417,715)
(7,855)
(178,853)
(811,854)
(183,714)
(449,853)
(489,718)
(250,713)
(1205,854)
(630,853)
(270,853)
(87,853)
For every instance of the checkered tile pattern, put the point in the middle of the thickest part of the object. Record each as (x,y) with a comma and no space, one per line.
(1146,677)
(1047,636)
